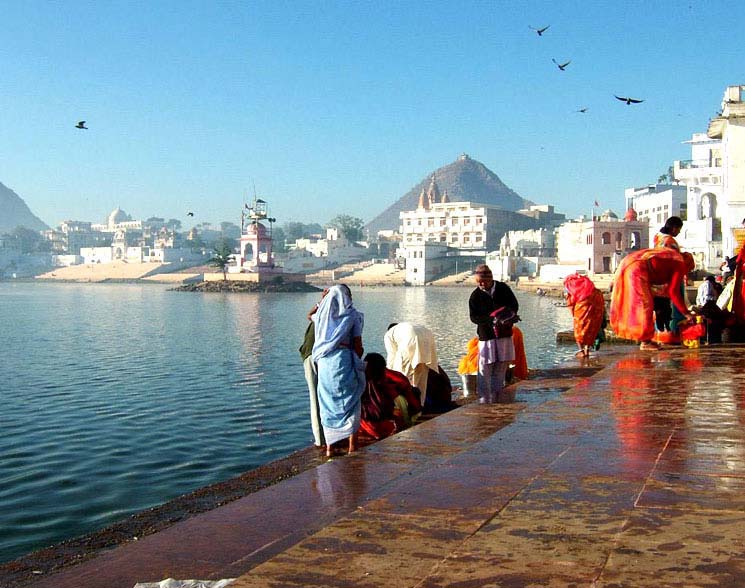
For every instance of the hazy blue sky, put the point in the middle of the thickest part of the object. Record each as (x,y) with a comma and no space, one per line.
(341,107)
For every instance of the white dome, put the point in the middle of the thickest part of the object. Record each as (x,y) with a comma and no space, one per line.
(117,216)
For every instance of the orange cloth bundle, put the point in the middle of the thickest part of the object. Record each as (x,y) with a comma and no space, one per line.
(469,364)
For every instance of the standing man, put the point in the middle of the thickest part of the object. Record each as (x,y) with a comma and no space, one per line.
(495,354)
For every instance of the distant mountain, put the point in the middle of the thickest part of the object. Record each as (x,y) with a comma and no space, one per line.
(15,213)
(465,180)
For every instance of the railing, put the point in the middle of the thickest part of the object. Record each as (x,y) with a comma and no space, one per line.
(698,163)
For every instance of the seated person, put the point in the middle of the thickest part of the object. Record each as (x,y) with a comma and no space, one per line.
(389,403)
(439,393)
(411,351)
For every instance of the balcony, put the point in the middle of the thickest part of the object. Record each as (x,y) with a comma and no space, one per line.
(697,163)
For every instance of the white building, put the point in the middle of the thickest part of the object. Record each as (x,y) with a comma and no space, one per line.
(315,253)
(656,203)
(729,128)
(702,177)
(469,227)
(523,253)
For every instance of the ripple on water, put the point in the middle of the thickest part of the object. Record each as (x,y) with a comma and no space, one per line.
(124,396)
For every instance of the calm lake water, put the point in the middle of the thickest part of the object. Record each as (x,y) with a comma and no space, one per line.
(119,397)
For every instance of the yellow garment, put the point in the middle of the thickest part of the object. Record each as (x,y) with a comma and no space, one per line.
(469,363)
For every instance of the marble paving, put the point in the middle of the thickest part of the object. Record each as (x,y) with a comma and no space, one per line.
(629,471)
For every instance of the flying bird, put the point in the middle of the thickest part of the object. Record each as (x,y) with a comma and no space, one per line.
(540,31)
(583,110)
(628,100)
(81,125)
(189,214)
(561,66)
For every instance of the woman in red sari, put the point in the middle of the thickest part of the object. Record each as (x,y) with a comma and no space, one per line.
(389,403)
(587,305)
(631,309)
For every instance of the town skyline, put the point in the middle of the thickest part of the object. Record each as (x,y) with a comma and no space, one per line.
(343,108)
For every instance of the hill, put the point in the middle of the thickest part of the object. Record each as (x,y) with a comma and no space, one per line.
(465,180)
(15,213)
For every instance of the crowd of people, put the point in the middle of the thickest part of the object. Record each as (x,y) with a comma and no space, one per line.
(649,304)
(352,392)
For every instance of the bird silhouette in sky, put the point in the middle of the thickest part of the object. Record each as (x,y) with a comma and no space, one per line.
(561,66)
(189,214)
(81,125)
(540,31)
(583,109)
(628,100)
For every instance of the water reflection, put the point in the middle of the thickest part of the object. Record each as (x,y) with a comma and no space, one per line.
(138,394)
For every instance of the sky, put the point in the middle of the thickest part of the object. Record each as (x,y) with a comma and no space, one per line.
(340,107)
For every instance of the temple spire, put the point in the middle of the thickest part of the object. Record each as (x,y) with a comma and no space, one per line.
(422,203)
(433,193)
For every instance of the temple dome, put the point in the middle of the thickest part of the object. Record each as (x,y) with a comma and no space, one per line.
(256,229)
(117,216)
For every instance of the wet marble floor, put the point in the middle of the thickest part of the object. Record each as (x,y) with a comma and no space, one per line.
(629,471)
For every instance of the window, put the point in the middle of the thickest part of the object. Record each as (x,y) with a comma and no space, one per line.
(605,238)
(588,239)
(466,221)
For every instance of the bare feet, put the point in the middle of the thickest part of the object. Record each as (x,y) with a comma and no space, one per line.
(649,346)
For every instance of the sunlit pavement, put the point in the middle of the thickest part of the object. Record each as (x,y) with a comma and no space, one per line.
(633,475)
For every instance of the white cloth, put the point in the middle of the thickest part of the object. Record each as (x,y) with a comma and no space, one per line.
(725,298)
(705,293)
(171,583)
(407,346)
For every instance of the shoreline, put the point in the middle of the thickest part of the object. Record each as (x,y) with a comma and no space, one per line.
(22,570)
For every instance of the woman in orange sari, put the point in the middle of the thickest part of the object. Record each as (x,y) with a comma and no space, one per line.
(587,305)
(632,306)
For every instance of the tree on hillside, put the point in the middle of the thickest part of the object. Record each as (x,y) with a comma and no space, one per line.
(349,226)
(174,224)
(155,220)
(25,240)
(222,258)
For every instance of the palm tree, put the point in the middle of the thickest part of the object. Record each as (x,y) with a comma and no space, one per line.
(222,259)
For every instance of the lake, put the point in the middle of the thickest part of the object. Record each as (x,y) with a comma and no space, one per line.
(119,397)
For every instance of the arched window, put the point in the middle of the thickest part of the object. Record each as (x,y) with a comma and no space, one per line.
(605,239)
(619,240)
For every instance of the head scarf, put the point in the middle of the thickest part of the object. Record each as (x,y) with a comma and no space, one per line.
(334,320)
(579,287)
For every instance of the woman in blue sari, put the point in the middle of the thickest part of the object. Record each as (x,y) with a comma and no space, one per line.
(341,372)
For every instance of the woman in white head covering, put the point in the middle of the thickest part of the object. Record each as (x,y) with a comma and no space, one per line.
(337,352)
